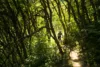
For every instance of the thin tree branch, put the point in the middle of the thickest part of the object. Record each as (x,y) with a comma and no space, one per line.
(31,34)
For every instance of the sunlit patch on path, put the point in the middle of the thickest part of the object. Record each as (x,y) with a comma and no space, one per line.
(75,59)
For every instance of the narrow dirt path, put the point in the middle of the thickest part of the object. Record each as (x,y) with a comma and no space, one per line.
(75,59)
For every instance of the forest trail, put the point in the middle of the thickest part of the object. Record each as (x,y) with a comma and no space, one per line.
(75,59)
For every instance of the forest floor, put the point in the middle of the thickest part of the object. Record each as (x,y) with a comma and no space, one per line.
(75,60)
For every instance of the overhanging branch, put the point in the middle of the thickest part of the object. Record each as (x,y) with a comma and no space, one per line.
(27,36)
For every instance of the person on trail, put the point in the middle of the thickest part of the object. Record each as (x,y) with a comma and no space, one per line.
(59,35)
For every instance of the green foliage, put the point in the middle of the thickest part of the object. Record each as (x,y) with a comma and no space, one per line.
(29,28)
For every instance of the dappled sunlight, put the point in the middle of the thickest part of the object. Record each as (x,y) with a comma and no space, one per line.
(75,59)
(76,64)
(74,55)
